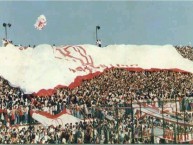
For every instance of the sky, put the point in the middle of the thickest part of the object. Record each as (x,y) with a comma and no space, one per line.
(121,22)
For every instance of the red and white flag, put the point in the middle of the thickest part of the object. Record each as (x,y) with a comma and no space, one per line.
(40,22)
(62,118)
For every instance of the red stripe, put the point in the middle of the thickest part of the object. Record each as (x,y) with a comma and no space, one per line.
(48,115)
(78,79)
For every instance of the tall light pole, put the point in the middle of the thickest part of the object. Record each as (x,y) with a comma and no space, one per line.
(6,25)
(97,28)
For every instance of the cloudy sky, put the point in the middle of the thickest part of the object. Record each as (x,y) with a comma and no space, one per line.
(74,22)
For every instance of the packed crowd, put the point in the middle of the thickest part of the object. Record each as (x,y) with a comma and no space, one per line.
(114,88)
(117,86)
(98,131)
(185,51)
(14,106)
(95,132)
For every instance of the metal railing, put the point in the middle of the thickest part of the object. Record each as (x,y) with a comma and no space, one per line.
(135,122)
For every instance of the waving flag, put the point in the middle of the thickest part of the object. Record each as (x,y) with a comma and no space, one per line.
(60,119)
(40,22)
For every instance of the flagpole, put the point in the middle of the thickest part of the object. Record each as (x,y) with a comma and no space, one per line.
(132,118)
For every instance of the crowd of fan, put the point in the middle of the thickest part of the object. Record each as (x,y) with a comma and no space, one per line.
(99,131)
(14,107)
(185,51)
(114,88)
(95,132)
(96,99)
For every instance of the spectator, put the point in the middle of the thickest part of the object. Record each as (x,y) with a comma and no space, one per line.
(99,43)
(185,51)
(107,124)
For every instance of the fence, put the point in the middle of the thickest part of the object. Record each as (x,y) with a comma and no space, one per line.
(140,122)
(162,121)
